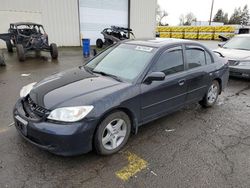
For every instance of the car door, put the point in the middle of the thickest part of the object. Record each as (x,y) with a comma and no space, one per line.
(197,77)
(161,97)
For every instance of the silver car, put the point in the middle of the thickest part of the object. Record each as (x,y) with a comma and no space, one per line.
(237,51)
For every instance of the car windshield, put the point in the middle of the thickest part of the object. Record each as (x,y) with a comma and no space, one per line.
(125,61)
(240,43)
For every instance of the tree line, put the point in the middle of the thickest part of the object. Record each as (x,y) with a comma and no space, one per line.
(239,16)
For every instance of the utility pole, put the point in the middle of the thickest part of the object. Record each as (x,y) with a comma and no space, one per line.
(211,13)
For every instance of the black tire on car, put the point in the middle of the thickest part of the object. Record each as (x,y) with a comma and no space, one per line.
(53,51)
(112,133)
(99,43)
(211,95)
(9,46)
(20,52)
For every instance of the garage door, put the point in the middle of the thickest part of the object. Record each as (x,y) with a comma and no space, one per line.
(95,15)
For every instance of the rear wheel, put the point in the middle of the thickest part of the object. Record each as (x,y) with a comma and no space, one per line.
(112,133)
(99,43)
(53,51)
(20,52)
(9,46)
(211,95)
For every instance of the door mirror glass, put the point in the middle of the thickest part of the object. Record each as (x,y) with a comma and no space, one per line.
(154,76)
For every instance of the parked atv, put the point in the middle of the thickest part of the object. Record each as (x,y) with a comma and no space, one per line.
(114,34)
(26,36)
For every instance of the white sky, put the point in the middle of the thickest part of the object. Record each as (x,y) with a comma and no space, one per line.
(200,8)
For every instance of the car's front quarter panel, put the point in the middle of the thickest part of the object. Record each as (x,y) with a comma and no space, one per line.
(124,95)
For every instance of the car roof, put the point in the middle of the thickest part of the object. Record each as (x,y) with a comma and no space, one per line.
(24,23)
(159,42)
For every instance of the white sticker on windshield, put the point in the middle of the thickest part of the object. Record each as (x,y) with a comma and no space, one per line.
(144,48)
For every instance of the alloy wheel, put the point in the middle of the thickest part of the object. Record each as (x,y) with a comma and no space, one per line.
(212,93)
(114,134)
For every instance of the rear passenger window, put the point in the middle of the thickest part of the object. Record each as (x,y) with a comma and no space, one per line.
(170,62)
(208,58)
(195,57)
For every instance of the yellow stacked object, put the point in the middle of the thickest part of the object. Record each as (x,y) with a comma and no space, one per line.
(165,35)
(225,29)
(163,29)
(206,29)
(196,32)
(190,35)
(191,29)
(177,29)
(205,36)
(178,35)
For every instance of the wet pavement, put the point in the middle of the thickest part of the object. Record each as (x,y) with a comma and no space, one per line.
(194,147)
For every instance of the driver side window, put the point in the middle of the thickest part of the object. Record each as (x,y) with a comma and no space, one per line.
(170,61)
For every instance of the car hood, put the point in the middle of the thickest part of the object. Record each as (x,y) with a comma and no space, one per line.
(234,54)
(63,87)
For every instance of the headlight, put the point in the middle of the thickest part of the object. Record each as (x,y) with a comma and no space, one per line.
(70,114)
(244,63)
(26,89)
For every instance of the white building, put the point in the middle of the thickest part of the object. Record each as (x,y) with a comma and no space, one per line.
(66,21)
(206,23)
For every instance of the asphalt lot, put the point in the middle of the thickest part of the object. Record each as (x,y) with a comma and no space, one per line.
(194,147)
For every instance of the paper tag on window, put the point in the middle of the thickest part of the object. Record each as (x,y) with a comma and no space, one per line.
(144,48)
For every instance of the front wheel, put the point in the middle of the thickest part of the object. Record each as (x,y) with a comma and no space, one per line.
(112,133)
(20,52)
(211,95)
(99,43)
(53,51)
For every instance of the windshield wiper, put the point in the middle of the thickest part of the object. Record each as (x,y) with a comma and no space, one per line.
(106,74)
(241,49)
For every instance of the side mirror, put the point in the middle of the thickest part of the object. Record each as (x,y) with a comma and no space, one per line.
(154,76)
(221,44)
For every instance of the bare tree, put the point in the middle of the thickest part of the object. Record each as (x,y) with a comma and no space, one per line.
(160,15)
(187,19)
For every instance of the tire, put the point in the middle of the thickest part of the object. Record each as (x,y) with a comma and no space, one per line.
(112,133)
(53,51)
(20,52)
(2,62)
(9,46)
(99,43)
(211,95)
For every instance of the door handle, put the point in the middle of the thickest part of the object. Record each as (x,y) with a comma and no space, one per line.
(181,82)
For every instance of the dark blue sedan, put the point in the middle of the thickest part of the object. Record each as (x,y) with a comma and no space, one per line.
(98,106)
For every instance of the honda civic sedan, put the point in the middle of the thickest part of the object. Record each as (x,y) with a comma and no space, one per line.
(237,51)
(97,106)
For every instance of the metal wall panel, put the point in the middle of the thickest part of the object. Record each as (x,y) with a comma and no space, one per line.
(60,18)
(142,18)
